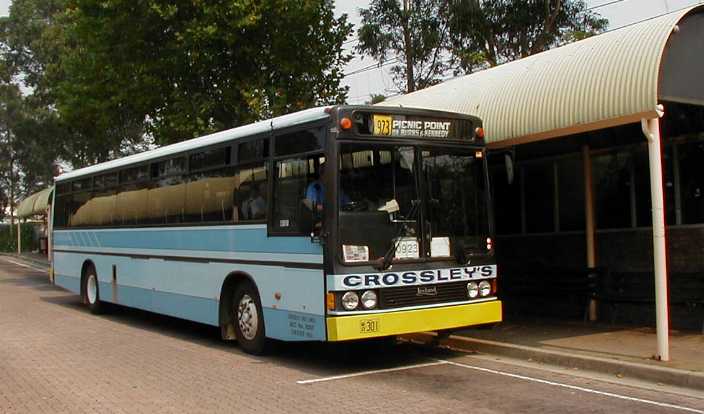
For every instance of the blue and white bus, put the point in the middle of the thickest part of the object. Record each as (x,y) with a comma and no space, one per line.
(330,224)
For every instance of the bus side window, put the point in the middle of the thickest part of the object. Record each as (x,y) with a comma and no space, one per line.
(291,180)
(250,196)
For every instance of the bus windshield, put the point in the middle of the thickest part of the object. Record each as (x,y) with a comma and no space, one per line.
(386,192)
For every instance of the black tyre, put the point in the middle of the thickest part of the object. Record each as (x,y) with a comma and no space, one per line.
(248,319)
(91,291)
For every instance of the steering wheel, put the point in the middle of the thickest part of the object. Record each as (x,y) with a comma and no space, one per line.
(355,206)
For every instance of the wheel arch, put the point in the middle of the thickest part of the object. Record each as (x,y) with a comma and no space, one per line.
(234,279)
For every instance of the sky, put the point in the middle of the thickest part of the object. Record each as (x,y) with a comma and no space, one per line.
(378,81)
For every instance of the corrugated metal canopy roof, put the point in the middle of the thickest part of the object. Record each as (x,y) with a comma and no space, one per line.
(605,80)
(34,204)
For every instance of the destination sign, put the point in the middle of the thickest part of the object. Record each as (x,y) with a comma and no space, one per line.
(420,127)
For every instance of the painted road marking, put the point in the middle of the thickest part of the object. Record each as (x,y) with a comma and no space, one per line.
(371,372)
(25,265)
(573,387)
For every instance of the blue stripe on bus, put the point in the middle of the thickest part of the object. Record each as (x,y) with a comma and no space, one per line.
(70,283)
(219,240)
(280,324)
(293,326)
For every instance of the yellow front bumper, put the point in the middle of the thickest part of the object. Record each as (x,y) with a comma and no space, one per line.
(343,328)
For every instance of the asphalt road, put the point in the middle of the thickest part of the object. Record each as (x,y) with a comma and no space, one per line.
(57,357)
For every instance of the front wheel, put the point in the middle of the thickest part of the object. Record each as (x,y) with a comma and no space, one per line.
(249,320)
(91,292)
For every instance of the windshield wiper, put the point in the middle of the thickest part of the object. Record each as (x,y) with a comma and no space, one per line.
(385,261)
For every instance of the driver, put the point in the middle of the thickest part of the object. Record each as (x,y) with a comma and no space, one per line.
(315,192)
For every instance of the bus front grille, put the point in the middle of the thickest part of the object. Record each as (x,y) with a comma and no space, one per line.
(398,297)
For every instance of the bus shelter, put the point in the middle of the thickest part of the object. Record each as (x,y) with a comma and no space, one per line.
(34,205)
(637,87)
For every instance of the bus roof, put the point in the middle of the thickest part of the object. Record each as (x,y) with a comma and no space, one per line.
(261,127)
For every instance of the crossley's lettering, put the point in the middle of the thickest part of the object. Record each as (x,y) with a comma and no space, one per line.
(381,280)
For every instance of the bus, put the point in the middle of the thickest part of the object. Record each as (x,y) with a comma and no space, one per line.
(330,224)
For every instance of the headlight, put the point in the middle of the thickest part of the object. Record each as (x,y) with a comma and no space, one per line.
(472,289)
(369,299)
(484,288)
(350,301)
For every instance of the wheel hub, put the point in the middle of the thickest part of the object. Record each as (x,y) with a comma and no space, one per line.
(247,317)
(92,289)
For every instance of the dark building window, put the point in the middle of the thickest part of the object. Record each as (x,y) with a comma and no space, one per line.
(611,175)
(506,200)
(539,196)
(571,193)
(692,182)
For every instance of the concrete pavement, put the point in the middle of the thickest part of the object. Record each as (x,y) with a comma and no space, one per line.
(57,357)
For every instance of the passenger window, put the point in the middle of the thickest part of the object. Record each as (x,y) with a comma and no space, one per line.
(165,201)
(253,151)
(228,195)
(251,194)
(293,187)
(300,141)
(211,158)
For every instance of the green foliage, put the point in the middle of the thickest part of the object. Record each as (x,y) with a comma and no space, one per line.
(375,99)
(8,238)
(413,33)
(492,32)
(429,37)
(180,69)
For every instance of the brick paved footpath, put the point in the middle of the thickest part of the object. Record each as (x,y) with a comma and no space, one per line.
(57,357)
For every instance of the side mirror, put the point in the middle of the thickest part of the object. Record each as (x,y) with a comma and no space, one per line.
(508,162)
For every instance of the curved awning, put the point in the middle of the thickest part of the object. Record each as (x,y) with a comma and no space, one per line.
(35,204)
(603,81)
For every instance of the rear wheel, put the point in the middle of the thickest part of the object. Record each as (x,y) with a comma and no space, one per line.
(91,291)
(249,320)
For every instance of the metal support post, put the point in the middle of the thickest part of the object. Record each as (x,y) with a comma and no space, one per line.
(651,129)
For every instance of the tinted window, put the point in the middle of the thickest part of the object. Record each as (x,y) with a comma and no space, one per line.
(78,209)
(253,151)
(291,181)
(173,166)
(105,181)
(165,201)
(81,185)
(227,195)
(299,141)
(131,204)
(209,159)
(134,174)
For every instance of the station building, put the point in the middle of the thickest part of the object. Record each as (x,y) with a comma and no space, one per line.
(590,144)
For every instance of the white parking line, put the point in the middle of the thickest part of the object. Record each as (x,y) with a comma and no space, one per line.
(7,259)
(574,387)
(371,372)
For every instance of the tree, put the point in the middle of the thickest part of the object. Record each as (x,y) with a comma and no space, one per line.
(411,35)
(375,99)
(175,70)
(492,32)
